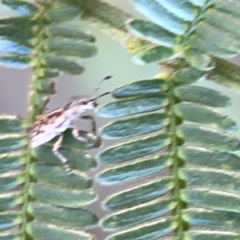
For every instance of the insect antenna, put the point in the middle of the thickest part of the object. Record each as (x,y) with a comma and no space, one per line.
(96,96)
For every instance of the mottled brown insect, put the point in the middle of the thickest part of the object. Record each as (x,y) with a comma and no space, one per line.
(58,121)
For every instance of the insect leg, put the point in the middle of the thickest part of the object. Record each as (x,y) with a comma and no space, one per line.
(75,131)
(93,123)
(56,146)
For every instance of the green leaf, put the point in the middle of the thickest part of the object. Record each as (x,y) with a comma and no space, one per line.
(72,149)
(9,124)
(198,59)
(183,10)
(135,126)
(208,158)
(143,87)
(132,106)
(153,230)
(41,231)
(202,95)
(201,235)
(134,149)
(58,177)
(10,180)
(155,54)
(213,219)
(66,217)
(134,170)
(205,115)
(213,199)
(10,46)
(65,65)
(70,31)
(10,161)
(136,215)
(153,10)
(21,7)
(213,178)
(63,14)
(51,194)
(232,8)
(70,47)
(10,142)
(15,61)
(153,33)
(138,195)
(6,236)
(9,220)
(9,200)
(209,137)
(188,76)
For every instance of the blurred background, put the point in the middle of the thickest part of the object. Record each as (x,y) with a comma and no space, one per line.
(113,60)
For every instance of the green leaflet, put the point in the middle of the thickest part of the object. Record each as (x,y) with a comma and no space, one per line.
(143,87)
(153,230)
(6,236)
(159,15)
(41,231)
(10,161)
(230,23)
(201,235)
(209,137)
(70,47)
(219,37)
(134,149)
(204,45)
(153,33)
(188,76)
(63,64)
(65,217)
(232,8)
(184,10)
(55,195)
(137,195)
(135,126)
(204,157)
(58,177)
(155,54)
(63,14)
(133,170)
(213,178)
(10,200)
(196,28)
(9,220)
(10,180)
(198,59)
(202,95)
(213,219)
(21,7)
(136,215)
(11,142)
(72,149)
(205,115)
(213,199)
(132,106)
(70,31)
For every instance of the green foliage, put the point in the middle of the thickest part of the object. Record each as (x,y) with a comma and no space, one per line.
(197,30)
(177,157)
(190,141)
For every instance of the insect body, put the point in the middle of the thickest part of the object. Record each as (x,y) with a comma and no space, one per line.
(56,122)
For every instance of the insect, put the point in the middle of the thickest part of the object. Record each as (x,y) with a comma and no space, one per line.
(56,122)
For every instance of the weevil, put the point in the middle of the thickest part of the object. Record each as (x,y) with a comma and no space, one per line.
(56,122)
